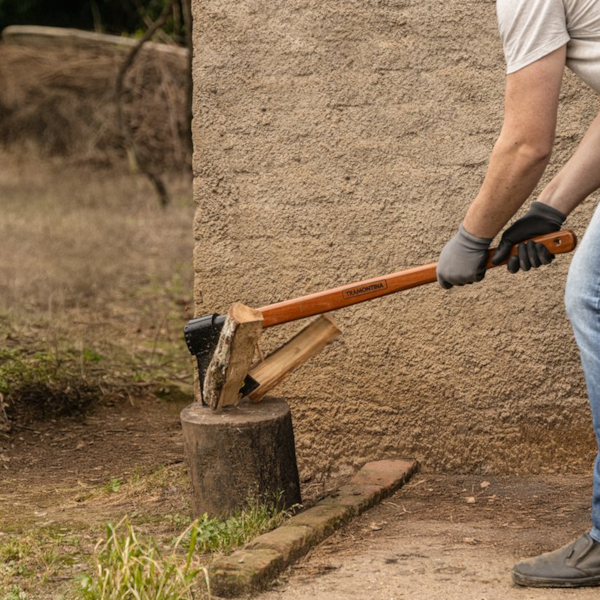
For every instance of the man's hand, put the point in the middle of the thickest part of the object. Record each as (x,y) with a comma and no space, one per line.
(462,260)
(540,219)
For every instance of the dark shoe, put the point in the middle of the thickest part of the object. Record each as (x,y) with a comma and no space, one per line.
(574,565)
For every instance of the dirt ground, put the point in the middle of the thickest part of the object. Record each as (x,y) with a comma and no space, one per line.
(51,469)
(429,542)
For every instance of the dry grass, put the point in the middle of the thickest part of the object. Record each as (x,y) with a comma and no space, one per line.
(94,273)
(62,99)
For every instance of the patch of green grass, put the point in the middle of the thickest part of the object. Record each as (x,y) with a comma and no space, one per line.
(225,535)
(178,521)
(113,486)
(38,383)
(129,565)
(15,593)
(35,556)
(17,367)
(12,550)
(91,355)
(130,568)
(127,568)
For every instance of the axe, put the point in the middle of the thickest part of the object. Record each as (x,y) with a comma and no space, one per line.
(202,334)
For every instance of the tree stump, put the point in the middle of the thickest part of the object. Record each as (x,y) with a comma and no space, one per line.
(244,452)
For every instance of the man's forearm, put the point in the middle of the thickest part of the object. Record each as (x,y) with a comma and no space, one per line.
(524,146)
(514,171)
(518,161)
(579,177)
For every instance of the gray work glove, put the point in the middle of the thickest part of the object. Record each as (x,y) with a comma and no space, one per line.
(540,219)
(463,259)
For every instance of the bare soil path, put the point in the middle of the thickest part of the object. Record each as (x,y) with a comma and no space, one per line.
(53,472)
(429,542)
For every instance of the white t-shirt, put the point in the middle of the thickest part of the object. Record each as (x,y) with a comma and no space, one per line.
(531,29)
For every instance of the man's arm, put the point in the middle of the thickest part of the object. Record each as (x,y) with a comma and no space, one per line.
(524,147)
(518,161)
(579,177)
(573,183)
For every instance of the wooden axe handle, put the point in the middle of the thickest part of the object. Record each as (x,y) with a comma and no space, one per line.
(361,291)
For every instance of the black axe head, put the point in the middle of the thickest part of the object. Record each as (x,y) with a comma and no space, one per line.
(202,336)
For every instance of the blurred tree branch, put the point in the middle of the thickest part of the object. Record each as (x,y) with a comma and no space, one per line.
(187,20)
(124,126)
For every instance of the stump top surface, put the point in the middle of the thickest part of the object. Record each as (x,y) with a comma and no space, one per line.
(245,412)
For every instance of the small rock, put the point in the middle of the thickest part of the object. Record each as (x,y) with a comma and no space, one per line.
(484,484)
(375,527)
(471,500)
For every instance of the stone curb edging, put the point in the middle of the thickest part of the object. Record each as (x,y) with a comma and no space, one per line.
(261,560)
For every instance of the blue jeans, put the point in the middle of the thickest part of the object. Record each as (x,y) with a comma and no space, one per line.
(582,300)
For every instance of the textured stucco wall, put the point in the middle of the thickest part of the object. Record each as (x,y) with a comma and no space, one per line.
(342,140)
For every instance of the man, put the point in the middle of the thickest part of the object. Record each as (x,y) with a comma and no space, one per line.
(539,38)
